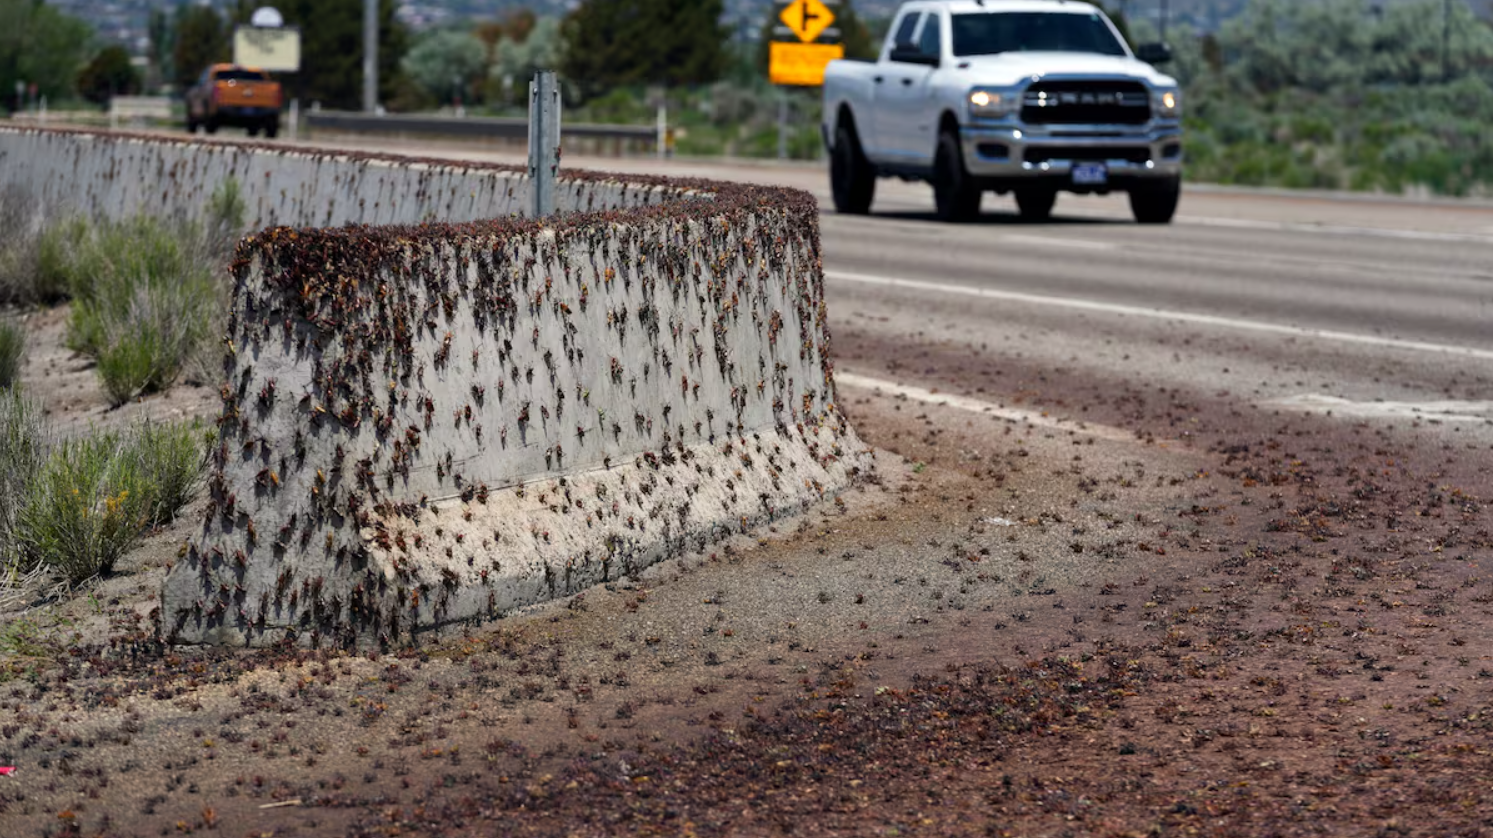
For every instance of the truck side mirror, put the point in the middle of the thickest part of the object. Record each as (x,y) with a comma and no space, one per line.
(1154,53)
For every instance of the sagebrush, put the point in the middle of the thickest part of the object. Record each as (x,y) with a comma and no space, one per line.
(23,449)
(146,295)
(74,508)
(12,350)
(21,222)
(85,509)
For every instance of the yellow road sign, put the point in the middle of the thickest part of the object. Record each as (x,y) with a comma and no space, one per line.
(807,18)
(801,64)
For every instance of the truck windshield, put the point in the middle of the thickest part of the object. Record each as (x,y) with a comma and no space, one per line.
(996,32)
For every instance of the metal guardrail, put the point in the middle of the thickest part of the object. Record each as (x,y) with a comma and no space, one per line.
(509,128)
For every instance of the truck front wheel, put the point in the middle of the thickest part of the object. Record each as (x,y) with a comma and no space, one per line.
(955,195)
(851,180)
(1156,203)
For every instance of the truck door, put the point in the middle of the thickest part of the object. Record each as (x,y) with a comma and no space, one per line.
(905,91)
(880,137)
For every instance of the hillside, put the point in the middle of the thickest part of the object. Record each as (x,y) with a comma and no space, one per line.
(123,21)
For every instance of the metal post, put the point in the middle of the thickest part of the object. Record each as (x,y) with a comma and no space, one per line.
(1166,12)
(544,143)
(370,56)
(294,118)
(663,128)
(782,124)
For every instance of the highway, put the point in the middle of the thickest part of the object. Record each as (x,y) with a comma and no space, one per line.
(1350,312)
(1365,306)
(1171,530)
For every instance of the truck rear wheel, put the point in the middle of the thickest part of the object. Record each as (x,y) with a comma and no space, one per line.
(271,127)
(851,179)
(1156,203)
(1035,202)
(955,195)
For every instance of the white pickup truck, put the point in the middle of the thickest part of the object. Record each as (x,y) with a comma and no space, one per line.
(1026,96)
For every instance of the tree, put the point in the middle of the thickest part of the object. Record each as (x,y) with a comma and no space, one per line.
(617,43)
(162,34)
(1276,45)
(201,39)
(332,49)
(515,62)
(109,74)
(446,62)
(515,26)
(42,46)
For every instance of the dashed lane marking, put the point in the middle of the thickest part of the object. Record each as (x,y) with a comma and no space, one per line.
(1162,314)
(1431,411)
(1025,417)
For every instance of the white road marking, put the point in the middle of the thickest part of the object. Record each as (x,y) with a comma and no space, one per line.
(1438,411)
(1028,417)
(1052,241)
(1333,229)
(1162,314)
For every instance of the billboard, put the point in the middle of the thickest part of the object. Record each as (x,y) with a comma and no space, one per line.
(276,49)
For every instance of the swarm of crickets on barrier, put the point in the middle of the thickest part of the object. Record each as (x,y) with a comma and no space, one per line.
(355,304)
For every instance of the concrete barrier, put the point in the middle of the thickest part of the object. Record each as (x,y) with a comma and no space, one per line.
(113,175)
(438,423)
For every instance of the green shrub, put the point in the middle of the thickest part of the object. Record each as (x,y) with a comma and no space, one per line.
(86,508)
(225,212)
(80,507)
(12,349)
(144,331)
(144,298)
(23,449)
(61,251)
(18,245)
(171,460)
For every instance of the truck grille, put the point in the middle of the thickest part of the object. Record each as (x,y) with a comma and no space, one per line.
(1093,102)
(1087,153)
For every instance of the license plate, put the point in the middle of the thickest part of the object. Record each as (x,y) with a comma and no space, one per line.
(1091,174)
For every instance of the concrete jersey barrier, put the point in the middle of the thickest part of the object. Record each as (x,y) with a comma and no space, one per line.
(115,175)
(428,424)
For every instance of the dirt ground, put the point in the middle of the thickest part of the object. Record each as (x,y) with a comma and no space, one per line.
(1237,623)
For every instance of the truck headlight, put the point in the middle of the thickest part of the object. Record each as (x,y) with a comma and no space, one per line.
(988,103)
(1169,104)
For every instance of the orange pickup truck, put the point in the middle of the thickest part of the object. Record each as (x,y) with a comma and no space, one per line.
(228,94)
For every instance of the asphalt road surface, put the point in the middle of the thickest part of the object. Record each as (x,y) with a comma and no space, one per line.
(1369,307)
